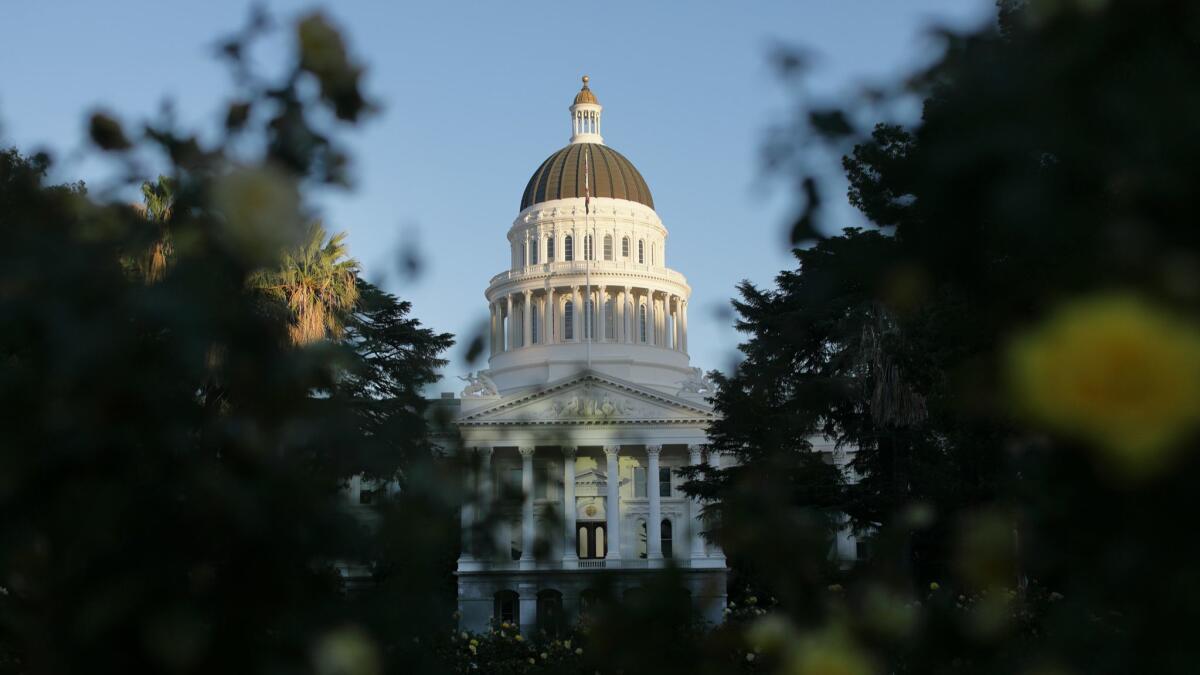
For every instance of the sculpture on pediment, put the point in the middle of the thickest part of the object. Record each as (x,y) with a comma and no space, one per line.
(479,385)
(698,383)
(591,406)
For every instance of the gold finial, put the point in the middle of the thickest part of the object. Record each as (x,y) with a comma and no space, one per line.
(585,94)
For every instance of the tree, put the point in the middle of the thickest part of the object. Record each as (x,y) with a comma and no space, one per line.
(317,283)
(1011,353)
(167,504)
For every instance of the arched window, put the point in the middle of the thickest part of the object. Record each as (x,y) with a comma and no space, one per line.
(642,549)
(550,248)
(533,251)
(569,320)
(642,323)
(624,247)
(550,612)
(588,600)
(569,248)
(610,320)
(608,247)
(507,607)
(666,538)
(520,254)
(535,332)
(589,253)
(641,252)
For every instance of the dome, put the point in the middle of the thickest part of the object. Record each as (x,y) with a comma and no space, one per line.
(561,176)
(585,94)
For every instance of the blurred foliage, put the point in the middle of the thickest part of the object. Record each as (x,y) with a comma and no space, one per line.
(1011,349)
(173,453)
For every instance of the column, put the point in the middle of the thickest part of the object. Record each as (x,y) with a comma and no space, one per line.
(651,318)
(570,546)
(484,503)
(685,332)
(654,525)
(495,342)
(675,330)
(468,509)
(508,337)
(527,530)
(612,506)
(601,314)
(630,317)
(619,315)
(491,329)
(714,460)
(577,328)
(695,525)
(527,314)
(548,321)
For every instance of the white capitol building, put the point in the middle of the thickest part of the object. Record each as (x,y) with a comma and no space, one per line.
(588,404)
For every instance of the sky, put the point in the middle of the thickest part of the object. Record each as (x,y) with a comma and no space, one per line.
(474,95)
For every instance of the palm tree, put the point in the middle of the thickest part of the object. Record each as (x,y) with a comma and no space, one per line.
(317,283)
(158,199)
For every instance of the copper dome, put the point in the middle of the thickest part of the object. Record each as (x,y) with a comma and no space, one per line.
(561,176)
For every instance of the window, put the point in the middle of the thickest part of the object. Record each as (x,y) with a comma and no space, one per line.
(533,251)
(569,248)
(588,252)
(550,249)
(588,315)
(639,482)
(520,254)
(664,481)
(642,540)
(610,320)
(366,496)
(533,326)
(624,247)
(541,483)
(641,252)
(862,550)
(591,541)
(608,247)
(666,538)
(569,321)
(508,607)
(550,612)
(642,324)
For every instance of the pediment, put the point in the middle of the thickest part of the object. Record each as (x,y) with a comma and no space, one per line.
(589,399)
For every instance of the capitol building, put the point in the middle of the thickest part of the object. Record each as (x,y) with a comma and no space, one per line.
(588,405)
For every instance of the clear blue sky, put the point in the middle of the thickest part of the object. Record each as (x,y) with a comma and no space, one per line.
(474,97)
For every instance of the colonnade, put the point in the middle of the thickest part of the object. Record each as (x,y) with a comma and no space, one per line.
(474,510)
(541,317)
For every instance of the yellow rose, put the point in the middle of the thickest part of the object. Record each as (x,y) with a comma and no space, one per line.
(346,651)
(829,652)
(260,208)
(1115,372)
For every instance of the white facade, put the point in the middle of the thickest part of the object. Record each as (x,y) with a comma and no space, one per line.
(588,404)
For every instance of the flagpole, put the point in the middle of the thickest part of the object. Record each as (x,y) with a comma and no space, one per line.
(588,252)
